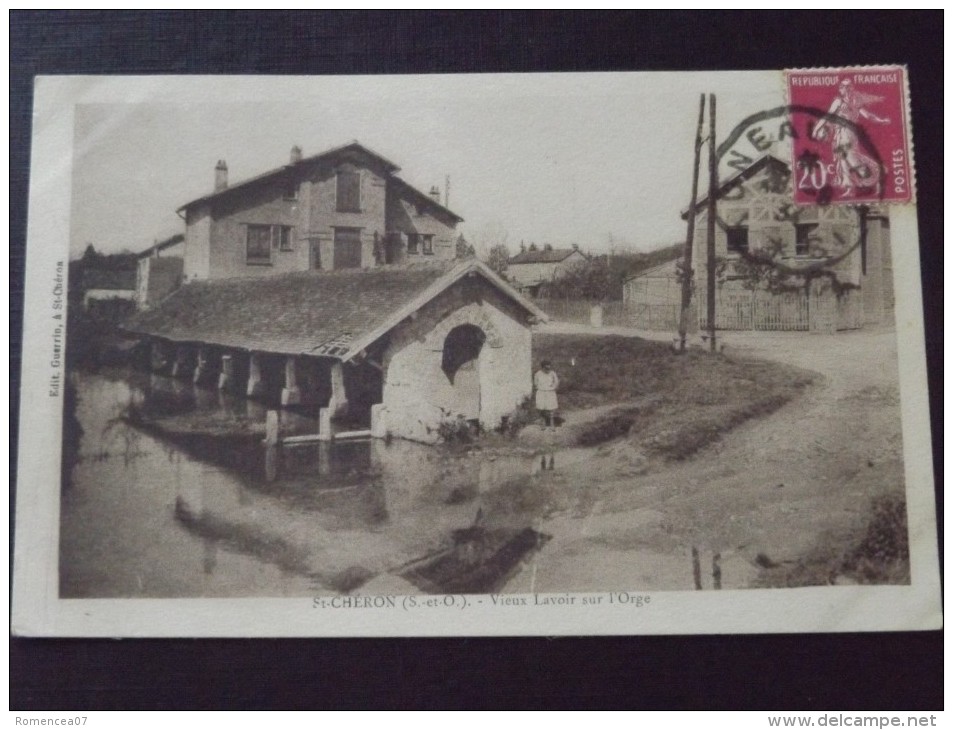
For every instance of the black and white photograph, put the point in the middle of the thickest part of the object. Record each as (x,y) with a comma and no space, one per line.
(626,353)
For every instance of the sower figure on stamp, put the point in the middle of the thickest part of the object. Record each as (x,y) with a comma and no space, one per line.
(545,383)
(853,168)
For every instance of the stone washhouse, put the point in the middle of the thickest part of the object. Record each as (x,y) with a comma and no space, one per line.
(399,349)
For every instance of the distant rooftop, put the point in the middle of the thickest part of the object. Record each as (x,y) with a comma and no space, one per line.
(544,256)
(161,245)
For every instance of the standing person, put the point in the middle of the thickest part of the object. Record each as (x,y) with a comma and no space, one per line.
(545,382)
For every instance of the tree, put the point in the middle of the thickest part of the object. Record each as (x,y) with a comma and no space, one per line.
(491,245)
(464,249)
(497,258)
(91,255)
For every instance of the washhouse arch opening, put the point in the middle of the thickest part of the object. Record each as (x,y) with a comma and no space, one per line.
(461,364)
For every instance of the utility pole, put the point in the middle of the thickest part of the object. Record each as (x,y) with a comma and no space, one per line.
(712,214)
(687,277)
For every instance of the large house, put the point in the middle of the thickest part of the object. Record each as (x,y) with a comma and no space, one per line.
(343,208)
(531,269)
(761,236)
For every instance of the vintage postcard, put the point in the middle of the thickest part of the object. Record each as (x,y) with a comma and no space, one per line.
(617,353)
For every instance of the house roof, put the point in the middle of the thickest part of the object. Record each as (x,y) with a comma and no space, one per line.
(332,314)
(353,146)
(753,169)
(544,256)
(161,245)
(121,280)
(420,195)
(663,270)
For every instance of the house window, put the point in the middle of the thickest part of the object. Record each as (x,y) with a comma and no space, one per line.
(738,239)
(349,192)
(420,243)
(804,235)
(258,246)
(261,239)
(281,237)
(290,191)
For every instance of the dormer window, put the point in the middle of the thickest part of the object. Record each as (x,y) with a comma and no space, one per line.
(290,191)
(348,191)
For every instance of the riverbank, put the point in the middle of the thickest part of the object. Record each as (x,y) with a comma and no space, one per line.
(810,494)
(667,405)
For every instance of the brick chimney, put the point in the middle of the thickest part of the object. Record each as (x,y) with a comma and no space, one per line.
(435,194)
(221,176)
(295,155)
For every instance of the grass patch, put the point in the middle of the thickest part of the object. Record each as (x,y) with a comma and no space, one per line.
(876,554)
(695,396)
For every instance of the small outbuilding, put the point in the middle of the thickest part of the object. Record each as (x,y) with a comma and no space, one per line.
(403,349)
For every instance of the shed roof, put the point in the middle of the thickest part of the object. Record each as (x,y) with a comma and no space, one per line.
(544,256)
(161,245)
(333,314)
(662,271)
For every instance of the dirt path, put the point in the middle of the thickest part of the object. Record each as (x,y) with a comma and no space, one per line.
(770,492)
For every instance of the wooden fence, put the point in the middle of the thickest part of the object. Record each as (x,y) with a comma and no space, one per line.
(734,310)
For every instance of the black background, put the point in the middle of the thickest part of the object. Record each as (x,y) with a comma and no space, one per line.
(900,671)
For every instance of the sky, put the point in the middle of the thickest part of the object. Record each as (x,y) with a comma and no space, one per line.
(600,160)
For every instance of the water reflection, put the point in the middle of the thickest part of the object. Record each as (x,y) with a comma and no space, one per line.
(175,494)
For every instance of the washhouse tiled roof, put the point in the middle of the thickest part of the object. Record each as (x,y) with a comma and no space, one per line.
(333,314)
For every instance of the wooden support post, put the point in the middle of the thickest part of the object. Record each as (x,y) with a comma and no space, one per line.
(271,428)
(158,356)
(202,365)
(183,362)
(291,393)
(338,403)
(378,421)
(324,458)
(271,462)
(712,215)
(255,386)
(227,377)
(324,424)
(687,273)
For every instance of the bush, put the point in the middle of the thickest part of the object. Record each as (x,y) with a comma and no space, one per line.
(457,431)
(523,415)
(885,545)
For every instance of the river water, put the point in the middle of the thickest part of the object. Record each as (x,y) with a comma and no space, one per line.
(157,510)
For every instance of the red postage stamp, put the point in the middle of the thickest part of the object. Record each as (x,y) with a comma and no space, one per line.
(852,144)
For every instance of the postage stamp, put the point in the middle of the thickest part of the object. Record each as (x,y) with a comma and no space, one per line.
(301,359)
(850,135)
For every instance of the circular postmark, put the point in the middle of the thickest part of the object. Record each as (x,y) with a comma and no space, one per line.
(773,240)
(829,148)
